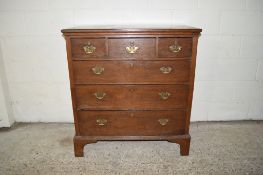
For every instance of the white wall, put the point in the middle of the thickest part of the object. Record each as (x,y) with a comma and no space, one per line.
(5,119)
(6,112)
(229,75)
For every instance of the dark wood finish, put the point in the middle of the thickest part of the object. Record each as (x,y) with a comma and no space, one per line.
(182,140)
(165,43)
(191,83)
(131,72)
(184,144)
(132,31)
(117,47)
(79,144)
(78,50)
(131,97)
(70,68)
(135,123)
(132,105)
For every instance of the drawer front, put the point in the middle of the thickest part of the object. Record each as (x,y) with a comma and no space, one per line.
(132,47)
(135,123)
(131,72)
(88,48)
(135,97)
(174,47)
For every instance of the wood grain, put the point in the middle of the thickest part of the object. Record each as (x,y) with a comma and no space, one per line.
(132,105)
(131,72)
(131,123)
(135,97)
(117,47)
(78,51)
(165,43)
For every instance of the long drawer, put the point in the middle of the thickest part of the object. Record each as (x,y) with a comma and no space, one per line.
(134,97)
(131,123)
(131,72)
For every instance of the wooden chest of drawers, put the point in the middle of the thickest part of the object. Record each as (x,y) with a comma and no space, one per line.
(132,84)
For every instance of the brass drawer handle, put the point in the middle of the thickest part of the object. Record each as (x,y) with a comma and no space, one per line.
(97,70)
(166,70)
(100,95)
(89,48)
(132,48)
(101,121)
(163,121)
(175,47)
(164,95)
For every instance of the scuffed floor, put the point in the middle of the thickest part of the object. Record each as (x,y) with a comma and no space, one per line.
(216,148)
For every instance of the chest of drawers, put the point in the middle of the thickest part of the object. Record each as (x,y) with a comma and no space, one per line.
(131,84)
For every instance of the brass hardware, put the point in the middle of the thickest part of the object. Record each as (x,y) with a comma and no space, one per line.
(97,70)
(132,48)
(89,48)
(166,70)
(100,95)
(164,95)
(175,47)
(101,121)
(163,121)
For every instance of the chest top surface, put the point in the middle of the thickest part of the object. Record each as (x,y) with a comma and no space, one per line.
(132,29)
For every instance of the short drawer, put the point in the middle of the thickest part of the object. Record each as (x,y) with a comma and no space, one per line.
(174,47)
(131,123)
(82,48)
(132,48)
(131,72)
(134,97)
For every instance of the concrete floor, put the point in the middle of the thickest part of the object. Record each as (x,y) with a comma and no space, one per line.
(216,148)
